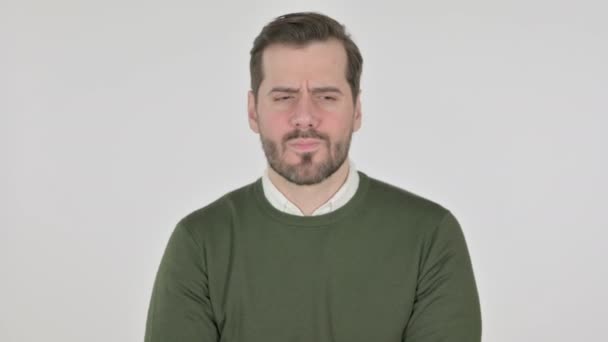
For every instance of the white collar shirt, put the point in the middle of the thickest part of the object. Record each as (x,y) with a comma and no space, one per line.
(340,198)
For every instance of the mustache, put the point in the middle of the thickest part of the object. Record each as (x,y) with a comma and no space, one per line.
(311,133)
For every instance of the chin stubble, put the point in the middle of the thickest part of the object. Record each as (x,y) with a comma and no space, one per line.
(305,172)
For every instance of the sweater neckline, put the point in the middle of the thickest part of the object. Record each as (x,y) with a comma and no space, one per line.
(309,221)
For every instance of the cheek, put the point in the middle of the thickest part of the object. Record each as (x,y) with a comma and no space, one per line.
(337,126)
(273,126)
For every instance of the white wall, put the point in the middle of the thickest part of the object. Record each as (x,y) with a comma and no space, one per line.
(120,117)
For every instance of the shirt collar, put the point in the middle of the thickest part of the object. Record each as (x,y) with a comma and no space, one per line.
(340,198)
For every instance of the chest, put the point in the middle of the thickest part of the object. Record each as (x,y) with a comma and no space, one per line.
(275,284)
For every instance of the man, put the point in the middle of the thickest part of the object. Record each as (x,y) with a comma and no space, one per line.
(313,251)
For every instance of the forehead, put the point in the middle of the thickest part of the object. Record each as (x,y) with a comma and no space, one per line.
(317,62)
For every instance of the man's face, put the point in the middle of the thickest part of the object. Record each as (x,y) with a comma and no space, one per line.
(305,113)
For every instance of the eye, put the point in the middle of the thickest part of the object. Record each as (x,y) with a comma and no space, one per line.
(282,98)
(328,98)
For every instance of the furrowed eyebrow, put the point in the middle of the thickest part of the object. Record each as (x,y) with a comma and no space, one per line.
(317,90)
(326,90)
(283,90)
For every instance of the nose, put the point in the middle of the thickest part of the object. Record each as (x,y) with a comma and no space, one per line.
(304,116)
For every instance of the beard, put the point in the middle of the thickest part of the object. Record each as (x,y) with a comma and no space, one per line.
(306,172)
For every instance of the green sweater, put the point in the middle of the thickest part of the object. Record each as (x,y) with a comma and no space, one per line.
(388,266)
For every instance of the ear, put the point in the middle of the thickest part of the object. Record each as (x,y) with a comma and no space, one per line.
(252,114)
(357,121)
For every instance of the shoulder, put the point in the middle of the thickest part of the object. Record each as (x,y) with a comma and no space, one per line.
(396,201)
(426,219)
(397,197)
(217,214)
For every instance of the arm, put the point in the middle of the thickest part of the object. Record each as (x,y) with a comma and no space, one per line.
(180,308)
(446,308)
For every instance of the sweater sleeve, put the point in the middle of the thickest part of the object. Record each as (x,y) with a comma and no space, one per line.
(180,308)
(446,307)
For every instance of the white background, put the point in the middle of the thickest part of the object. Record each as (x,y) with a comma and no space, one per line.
(120,117)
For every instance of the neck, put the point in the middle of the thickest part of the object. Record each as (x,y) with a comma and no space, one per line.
(310,197)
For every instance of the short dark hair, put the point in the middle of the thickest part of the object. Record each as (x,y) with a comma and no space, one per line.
(300,29)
